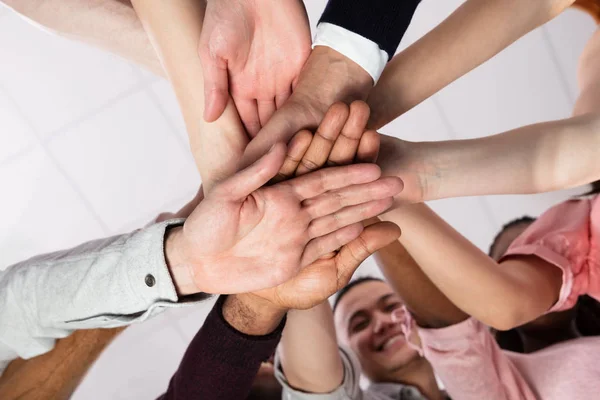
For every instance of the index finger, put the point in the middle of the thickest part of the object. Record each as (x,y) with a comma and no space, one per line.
(324,180)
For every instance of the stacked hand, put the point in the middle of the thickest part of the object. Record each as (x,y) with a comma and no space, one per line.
(327,77)
(255,50)
(340,139)
(245,236)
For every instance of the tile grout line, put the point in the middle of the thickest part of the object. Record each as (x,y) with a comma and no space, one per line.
(561,73)
(445,121)
(19,154)
(181,201)
(57,165)
(135,88)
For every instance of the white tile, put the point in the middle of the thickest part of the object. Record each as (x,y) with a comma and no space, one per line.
(569,33)
(190,319)
(55,80)
(314,9)
(126,161)
(427,16)
(509,207)
(422,123)
(39,210)
(168,102)
(134,366)
(468,216)
(15,133)
(519,86)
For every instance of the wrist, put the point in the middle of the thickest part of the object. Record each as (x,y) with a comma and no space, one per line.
(179,268)
(252,315)
(338,78)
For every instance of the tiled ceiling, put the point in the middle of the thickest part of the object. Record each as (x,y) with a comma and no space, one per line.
(85,136)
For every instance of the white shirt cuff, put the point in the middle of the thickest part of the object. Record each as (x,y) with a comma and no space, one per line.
(359,49)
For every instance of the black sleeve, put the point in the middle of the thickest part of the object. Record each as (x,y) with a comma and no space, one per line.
(220,363)
(381,21)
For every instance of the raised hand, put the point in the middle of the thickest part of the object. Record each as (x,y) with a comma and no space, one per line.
(255,51)
(245,237)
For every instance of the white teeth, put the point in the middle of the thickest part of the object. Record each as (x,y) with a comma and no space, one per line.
(391,341)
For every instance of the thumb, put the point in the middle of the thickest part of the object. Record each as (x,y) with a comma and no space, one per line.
(255,176)
(216,90)
(373,237)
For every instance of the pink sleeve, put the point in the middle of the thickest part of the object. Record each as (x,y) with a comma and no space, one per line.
(471,365)
(561,237)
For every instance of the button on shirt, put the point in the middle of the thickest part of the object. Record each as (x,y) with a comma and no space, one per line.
(100,284)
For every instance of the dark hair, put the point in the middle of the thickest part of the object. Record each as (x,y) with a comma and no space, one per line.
(343,291)
(594,188)
(587,314)
(265,394)
(526,219)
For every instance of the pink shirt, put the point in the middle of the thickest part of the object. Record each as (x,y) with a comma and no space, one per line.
(473,367)
(567,236)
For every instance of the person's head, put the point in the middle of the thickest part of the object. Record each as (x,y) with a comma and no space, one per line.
(594,188)
(265,385)
(509,232)
(363,320)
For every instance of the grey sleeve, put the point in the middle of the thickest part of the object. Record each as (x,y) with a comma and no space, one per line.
(100,284)
(348,390)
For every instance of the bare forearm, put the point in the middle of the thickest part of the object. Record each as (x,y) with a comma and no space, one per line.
(111,25)
(251,315)
(532,159)
(174,28)
(428,305)
(499,296)
(309,340)
(474,33)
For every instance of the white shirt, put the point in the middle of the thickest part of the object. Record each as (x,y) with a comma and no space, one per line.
(100,284)
(359,49)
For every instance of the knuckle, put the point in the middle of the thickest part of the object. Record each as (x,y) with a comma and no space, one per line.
(309,164)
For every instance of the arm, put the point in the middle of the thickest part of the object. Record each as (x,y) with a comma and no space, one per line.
(532,159)
(309,340)
(367,32)
(221,361)
(56,374)
(428,305)
(105,283)
(353,43)
(474,33)
(111,25)
(501,296)
(174,28)
(460,349)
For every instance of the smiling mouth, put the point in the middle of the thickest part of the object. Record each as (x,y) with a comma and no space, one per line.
(390,342)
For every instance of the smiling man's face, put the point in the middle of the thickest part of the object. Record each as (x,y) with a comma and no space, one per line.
(363,320)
